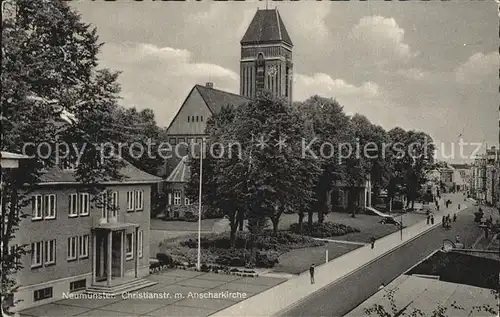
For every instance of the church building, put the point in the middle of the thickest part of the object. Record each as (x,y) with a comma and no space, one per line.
(265,64)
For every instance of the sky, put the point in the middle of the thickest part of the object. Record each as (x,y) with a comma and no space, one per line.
(425,65)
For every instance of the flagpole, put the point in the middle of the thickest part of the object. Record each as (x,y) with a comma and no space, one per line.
(199,206)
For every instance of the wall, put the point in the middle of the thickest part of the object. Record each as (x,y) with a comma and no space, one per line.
(193,106)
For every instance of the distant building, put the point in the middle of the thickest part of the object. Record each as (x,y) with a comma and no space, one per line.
(76,245)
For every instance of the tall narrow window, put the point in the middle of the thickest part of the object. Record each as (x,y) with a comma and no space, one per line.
(115,204)
(73,205)
(83,246)
(104,207)
(139,200)
(177,198)
(170,198)
(188,118)
(50,252)
(37,205)
(72,246)
(130,201)
(196,118)
(50,206)
(129,251)
(139,242)
(84,204)
(36,254)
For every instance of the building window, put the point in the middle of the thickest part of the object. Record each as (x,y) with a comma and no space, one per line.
(130,201)
(170,198)
(36,254)
(12,252)
(37,205)
(49,206)
(77,285)
(139,242)
(188,118)
(192,118)
(83,246)
(43,293)
(50,252)
(72,248)
(187,202)
(129,252)
(199,140)
(139,200)
(114,204)
(73,205)
(104,205)
(171,141)
(189,140)
(84,204)
(182,140)
(177,198)
(201,118)
(196,118)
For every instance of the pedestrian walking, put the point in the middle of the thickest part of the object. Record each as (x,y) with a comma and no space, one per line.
(443,222)
(454,217)
(311,272)
(372,240)
(432,219)
(458,206)
(437,207)
(428,219)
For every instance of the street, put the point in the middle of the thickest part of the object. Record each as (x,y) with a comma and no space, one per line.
(341,297)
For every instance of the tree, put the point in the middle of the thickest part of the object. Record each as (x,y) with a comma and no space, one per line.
(49,68)
(223,188)
(325,122)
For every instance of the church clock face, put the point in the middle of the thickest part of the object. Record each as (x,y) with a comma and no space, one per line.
(272,71)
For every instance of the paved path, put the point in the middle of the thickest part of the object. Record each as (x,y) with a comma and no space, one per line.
(175,294)
(273,301)
(341,241)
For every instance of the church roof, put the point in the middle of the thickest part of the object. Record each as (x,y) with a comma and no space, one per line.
(216,99)
(181,172)
(266,26)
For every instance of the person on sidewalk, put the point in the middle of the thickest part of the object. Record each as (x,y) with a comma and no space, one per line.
(432,219)
(443,222)
(454,217)
(372,241)
(311,272)
(428,218)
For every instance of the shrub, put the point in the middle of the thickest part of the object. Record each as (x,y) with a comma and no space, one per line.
(323,230)
(164,259)
(204,268)
(266,260)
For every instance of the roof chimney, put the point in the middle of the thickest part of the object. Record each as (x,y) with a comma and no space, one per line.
(209,84)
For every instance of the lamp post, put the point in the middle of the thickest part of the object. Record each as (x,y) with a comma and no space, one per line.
(199,205)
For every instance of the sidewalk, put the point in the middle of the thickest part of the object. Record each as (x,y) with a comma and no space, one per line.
(279,298)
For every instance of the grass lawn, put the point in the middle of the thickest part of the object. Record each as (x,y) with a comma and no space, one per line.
(206,225)
(368,225)
(299,260)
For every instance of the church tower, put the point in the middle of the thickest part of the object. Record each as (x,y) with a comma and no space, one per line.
(266,56)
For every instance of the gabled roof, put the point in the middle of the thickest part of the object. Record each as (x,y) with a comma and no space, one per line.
(181,172)
(216,99)
(266,26)
(131,174)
